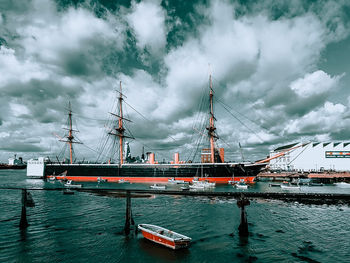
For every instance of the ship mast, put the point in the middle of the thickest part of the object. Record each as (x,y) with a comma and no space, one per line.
(70,134)
(70,138)
(120,123)
(120,127)
(211,129)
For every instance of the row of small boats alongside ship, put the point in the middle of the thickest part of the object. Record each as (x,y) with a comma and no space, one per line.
(195,185)
(198,184)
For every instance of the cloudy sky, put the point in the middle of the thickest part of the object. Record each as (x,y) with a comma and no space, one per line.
(281,73)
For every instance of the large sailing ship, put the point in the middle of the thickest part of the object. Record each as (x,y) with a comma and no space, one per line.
(213,170)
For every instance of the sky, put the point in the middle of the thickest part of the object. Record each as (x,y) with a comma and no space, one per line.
(280,70)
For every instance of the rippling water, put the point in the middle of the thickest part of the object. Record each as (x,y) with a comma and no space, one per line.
(88,228)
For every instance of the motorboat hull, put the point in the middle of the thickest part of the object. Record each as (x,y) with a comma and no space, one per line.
(155,235)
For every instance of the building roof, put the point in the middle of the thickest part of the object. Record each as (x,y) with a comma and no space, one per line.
(314,144)
(285,147)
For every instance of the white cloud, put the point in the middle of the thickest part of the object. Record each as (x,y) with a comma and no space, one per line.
(14,69)
(141,91)
(4,134)
(254,53)
(18,109)
(257,138)
(288,46)
(331,108)
(325,119)
(48,36)
(314,83)
(67,32)
(148,22)
(322,138)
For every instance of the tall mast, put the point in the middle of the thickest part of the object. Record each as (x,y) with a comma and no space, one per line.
(70,134)
(120,123)
(120,127)
(211,129)
(69,138)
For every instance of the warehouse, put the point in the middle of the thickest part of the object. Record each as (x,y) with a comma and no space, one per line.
(312,157)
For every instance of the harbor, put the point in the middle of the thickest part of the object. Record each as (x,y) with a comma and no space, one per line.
(174,131)
(76,227)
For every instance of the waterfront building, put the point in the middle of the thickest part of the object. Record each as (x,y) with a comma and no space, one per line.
(312,157)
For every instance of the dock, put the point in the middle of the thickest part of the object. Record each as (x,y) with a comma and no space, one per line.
(326,177)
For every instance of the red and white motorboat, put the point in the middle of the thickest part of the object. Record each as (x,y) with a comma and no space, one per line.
(164,236)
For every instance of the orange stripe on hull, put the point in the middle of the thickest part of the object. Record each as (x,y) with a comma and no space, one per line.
(218,180)
(159,240)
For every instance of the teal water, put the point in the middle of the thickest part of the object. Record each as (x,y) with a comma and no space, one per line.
(86,227)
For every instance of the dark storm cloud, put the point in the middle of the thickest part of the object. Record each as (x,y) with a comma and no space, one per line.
(41,90)
(19,6)
(152,131)
(342,135)
(22,147)
(46,100)
(280,96)
(78,63)
(301,106)
(184,18)
(2,42)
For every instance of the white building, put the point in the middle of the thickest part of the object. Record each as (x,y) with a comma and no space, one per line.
(319,156)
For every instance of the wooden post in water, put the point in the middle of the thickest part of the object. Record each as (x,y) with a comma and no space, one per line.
(24,223)
(243,227)
(128,213)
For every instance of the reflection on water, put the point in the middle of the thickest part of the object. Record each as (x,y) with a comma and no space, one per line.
(159,252)
(86,227)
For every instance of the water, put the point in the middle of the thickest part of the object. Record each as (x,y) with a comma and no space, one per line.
(85,227)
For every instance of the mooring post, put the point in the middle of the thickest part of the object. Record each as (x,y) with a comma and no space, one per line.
(24,223)
(243,227)
(128,213)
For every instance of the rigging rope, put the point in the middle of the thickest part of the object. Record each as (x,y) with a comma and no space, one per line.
(144,117)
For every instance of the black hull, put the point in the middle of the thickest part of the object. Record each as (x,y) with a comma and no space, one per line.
(12,167)
(90,172)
